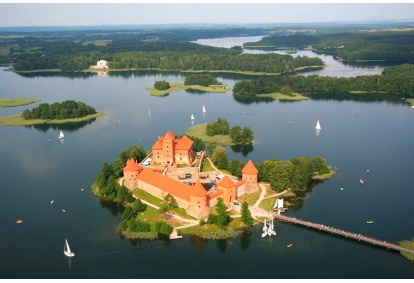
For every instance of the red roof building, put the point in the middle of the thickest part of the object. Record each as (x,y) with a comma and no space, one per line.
(169,150)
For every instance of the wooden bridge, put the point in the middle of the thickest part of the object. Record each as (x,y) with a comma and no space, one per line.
(343,233)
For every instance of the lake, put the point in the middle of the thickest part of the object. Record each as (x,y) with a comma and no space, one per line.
(356,136)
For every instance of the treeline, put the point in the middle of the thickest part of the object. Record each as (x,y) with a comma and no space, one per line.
(237,134)
(66,110)
(396,81)
(350,46)
(157,55)
(295,174)
(201,79)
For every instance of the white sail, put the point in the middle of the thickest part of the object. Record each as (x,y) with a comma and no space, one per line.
(265,226)
(273,229)
(149,112)
(192,116)
(318,126)
(61,135)
(275,206)
(66,249)
(204,109)
(279,203)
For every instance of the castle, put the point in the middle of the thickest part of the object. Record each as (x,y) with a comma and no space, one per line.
(194,198)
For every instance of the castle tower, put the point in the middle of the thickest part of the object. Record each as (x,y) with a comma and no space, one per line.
(229,189)
(198,201)
(168,147)
(131,172)
(249,175)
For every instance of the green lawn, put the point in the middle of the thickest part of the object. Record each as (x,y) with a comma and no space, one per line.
(12,102)
(17,120)
(200,131)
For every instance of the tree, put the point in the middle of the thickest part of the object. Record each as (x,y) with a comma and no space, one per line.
(138,206)
(246,216)
(162,85)
(223,219)
(219,157)
(236,167)
(128,213)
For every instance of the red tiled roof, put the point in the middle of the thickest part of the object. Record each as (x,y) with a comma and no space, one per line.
(169,135)
(132,165)
(184,143)
(198,190)
(250,168)
(226,182)
(158,144)
(171,186)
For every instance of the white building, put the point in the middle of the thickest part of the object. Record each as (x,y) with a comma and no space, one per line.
(101,64)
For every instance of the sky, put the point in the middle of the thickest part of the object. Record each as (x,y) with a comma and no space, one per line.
(139,13)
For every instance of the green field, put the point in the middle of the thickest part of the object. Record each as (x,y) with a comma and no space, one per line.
(17,120)
(200,131)
(12,102)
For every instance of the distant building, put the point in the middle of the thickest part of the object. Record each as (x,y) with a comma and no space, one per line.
(101,65)
(195,198)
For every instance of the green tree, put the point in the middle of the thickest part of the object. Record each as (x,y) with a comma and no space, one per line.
(138,206)
(223,219)
(246,216)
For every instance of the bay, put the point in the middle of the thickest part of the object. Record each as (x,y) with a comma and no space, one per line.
(355,136)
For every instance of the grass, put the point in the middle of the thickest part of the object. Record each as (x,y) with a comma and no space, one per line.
(17,120)
(12,102)
(281,96)
(324,176)
(410,100)
(174,86)
(409,245)
(200,131)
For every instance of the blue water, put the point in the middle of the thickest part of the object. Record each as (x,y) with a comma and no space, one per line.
(355,136)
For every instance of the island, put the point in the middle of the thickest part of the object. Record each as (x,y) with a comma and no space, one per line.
(200,81)
(173,190)
(56,113)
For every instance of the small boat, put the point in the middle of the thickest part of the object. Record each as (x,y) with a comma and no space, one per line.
(370,222)
(204,109)
(391,149)
(290,245)
(66,250)
(342,189)
(19,221)
(192,116)
(81,190)
(61,135)
(63,210)
(51,202)
(48,140)
(361,181)
(318,126)
(367,171)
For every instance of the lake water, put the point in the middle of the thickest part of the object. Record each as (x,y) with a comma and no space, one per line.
(355,136)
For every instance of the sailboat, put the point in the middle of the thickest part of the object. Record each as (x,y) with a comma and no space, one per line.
(264,229)
(66,250)
(318,126)
(149,112)
(61,136)
(204,109)
(192,116)
(273,229)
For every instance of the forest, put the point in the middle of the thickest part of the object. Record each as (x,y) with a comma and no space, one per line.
(395,81)
(356,46)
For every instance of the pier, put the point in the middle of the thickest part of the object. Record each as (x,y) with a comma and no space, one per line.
(343,233)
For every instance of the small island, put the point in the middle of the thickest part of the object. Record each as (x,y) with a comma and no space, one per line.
(219,132)
(56,113)
(201,82)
